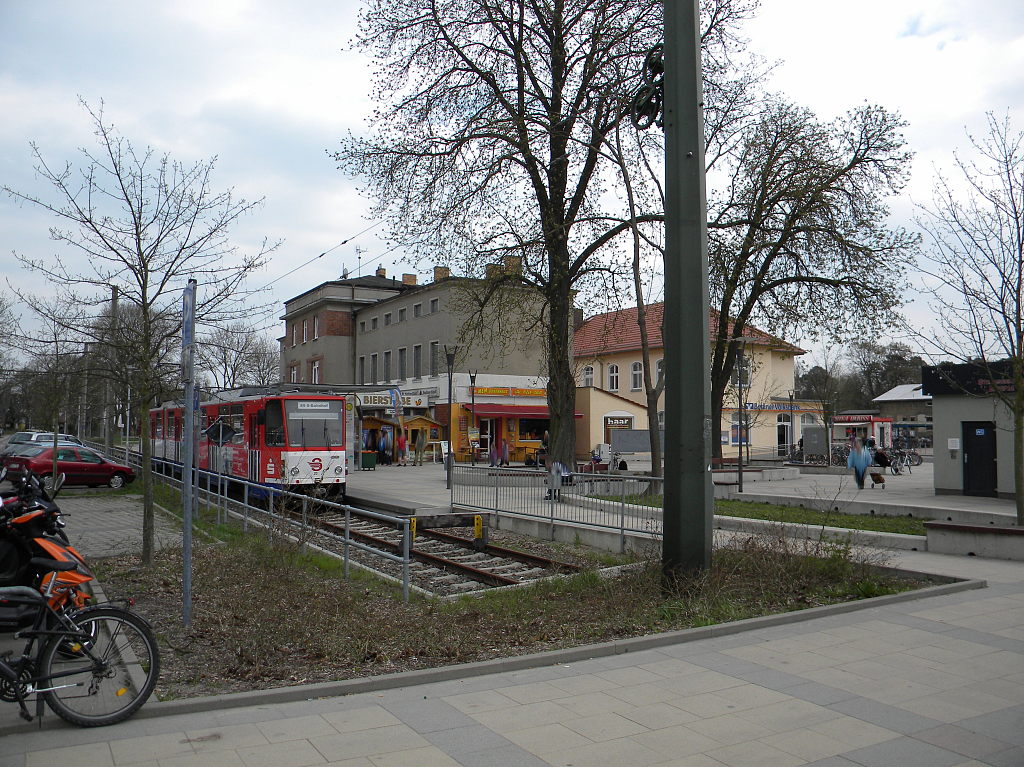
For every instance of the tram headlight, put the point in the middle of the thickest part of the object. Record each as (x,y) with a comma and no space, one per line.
(295,471)
(339,469)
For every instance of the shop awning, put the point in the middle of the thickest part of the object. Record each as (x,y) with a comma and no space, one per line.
(490,410)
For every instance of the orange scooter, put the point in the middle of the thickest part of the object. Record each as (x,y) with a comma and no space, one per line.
(31,537)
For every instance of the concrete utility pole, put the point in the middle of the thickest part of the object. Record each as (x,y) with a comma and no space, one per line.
(688,490)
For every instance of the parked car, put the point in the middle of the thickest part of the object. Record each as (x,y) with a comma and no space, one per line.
(47,436)
(28,448)
(80,466)
(21,436)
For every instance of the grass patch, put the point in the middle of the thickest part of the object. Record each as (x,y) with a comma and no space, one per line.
(265,614)
(797,514)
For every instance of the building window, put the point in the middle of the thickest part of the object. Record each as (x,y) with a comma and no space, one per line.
(613,378)
(661,370)
(305,331)
(434,350)
(314,371)
(316,326)
(636,376)
(387,365)
(387,318)
(373,369)
(295,333)
(734,432)
(401,315)
(401,364)
(435,305)
(362,326)
(373,323)
(293,374)
(588,375)
(661,420)
(417,310)
(417,361)
(362,370)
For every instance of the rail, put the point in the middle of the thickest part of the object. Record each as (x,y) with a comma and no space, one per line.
(628,503)
(262,506)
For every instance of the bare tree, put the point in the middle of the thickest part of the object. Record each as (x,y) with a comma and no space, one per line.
(237,355)
(975,229)
(798,234)
(145,224)
(492,135)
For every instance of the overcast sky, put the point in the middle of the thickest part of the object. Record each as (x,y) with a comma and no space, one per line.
(269,87)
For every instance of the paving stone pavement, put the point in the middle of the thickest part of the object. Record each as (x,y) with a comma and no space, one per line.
(935,682)
(101,525)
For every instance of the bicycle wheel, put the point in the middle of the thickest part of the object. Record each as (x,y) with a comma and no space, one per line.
(109,675)
(915,459)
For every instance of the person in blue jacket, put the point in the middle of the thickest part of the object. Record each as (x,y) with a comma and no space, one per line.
(860,459)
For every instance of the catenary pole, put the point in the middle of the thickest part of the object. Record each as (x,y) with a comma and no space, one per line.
(188,325)
(688,490)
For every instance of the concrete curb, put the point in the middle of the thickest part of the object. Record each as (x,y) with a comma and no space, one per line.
(499,665)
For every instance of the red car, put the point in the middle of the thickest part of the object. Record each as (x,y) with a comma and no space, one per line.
(80,466)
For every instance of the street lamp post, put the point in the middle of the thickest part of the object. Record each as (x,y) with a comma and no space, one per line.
(449,355)
(740,357)
(472,395)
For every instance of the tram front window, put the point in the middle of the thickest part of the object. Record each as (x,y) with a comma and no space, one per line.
(314,423)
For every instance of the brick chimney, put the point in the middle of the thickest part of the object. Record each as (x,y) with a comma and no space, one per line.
(382,272)
(408,279)
(493,271)
(441,273)
(513,264)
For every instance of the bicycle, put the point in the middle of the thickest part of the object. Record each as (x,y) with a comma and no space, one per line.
(93,667)
(900,461)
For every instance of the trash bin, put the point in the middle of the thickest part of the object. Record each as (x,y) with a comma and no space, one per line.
(369,461)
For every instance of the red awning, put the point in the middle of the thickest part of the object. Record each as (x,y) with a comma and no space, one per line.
(490,410)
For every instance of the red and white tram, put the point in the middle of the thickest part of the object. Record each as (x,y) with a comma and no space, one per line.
(291,440)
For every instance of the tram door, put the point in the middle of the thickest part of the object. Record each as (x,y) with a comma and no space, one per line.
(979,457)
(253,447)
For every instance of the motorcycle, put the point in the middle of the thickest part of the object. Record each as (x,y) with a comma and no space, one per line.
(32,537)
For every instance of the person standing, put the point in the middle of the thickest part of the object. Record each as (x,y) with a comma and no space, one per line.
(419,447)
(401,448)
(859,460)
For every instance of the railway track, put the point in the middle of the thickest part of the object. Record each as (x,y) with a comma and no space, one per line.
(441,563)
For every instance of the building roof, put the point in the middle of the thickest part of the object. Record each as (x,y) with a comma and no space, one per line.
(904,393)
(619,331)
(371,281)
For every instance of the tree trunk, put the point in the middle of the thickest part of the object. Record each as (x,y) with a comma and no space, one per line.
(561,383)
(146,473)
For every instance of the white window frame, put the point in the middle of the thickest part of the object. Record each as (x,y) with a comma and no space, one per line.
(314,372)
(305,331)
(387,318)
(316,326)
(435,305)
(401,314)
(636,376)
(417,310)
(588,375)
(613,377)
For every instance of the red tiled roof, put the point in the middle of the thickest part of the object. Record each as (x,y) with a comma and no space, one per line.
(619,331)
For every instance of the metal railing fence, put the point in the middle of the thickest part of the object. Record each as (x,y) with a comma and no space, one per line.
(628,503)
(260,505)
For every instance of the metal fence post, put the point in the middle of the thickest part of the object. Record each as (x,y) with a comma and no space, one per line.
(622,518)
(245,508)
(348,522)
(305,531)
(406,546)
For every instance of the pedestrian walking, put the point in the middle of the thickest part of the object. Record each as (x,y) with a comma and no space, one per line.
(860,459)
(419,447)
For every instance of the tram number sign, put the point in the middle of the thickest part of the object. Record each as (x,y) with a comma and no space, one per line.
(220,432)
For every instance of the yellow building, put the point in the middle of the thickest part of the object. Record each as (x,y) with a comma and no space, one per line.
(611,395)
